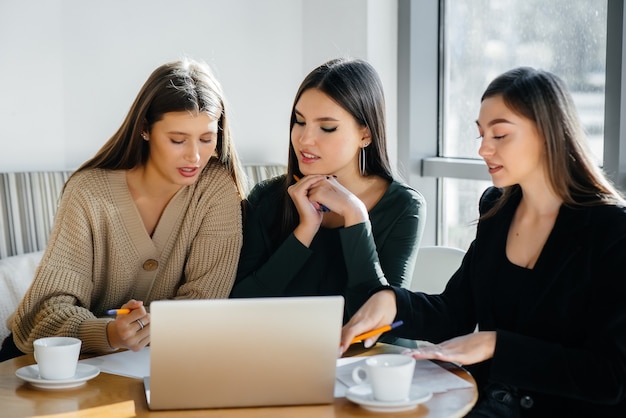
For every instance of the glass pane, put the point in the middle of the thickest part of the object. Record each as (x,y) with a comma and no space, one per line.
(484,38)
(460,202)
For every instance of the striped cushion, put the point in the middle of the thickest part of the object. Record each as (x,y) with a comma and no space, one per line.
(28,202)
(258,172)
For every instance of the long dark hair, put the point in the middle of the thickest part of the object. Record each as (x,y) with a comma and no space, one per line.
(355,85)
(183,85)
(543,98)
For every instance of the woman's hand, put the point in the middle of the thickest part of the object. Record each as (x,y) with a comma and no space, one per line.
(380,309)
(467,349)
(309,211)
(339,200)
(132,330)
(313,192)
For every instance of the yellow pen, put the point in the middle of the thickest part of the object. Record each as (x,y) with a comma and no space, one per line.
(122,311)
(376,331)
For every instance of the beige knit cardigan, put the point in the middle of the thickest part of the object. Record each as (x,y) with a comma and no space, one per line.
(99,255)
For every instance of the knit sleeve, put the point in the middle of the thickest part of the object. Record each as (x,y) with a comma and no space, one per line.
(59,299)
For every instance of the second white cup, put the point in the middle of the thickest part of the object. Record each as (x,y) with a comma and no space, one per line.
(389,375)
(57,357)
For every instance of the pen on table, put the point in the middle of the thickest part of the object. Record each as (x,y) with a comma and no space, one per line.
(376,331)
(122,311)
(322,207)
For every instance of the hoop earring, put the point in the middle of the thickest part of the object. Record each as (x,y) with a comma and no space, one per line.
(362,160)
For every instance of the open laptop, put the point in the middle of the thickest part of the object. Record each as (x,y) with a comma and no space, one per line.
(222,353)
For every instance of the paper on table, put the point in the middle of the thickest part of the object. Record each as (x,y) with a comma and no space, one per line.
(134,364)
(427,375)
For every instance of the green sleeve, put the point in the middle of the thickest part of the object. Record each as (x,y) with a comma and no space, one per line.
(383,250)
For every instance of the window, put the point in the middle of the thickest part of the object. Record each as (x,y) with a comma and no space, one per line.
(483,38)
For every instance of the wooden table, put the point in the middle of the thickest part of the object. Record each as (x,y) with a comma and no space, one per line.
(109,395)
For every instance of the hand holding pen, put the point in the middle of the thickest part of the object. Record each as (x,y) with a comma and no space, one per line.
(310,213)
(379,310)
(347,205)
(376,331)
(322,208)
(130,329)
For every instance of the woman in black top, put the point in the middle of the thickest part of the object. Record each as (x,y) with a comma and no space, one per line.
(544,278)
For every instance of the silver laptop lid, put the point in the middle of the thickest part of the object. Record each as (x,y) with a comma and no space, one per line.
(243,352)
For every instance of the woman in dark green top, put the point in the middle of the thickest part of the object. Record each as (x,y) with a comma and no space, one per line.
(337,223)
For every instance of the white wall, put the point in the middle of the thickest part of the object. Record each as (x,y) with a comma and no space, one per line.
(69,69)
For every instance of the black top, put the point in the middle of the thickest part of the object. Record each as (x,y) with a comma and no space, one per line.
(507,292)
(561,327)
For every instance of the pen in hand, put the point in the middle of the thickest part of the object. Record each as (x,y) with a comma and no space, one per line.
(322,207)
(376,331)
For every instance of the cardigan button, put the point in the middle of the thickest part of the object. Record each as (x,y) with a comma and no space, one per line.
(150,265)
(526,402)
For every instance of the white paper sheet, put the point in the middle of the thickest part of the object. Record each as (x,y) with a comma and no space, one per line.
(135,364)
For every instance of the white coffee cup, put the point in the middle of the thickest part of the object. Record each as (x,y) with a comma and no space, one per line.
(389,375)
(57,357)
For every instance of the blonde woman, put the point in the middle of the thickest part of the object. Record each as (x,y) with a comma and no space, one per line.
(155,214)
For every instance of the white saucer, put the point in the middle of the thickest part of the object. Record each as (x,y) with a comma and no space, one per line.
(362,395)
(84,372)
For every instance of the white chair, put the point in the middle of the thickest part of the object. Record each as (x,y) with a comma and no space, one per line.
(434,267)
(16,274)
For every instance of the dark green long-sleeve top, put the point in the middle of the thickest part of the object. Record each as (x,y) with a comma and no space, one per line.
(341,261)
